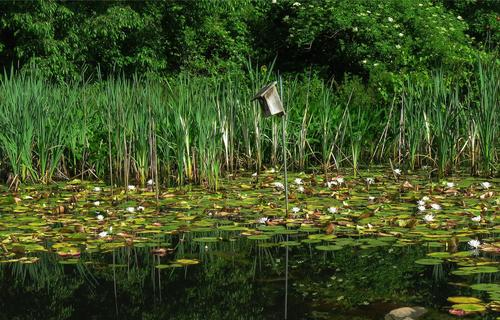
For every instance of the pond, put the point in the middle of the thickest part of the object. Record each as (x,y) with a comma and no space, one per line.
(350,248)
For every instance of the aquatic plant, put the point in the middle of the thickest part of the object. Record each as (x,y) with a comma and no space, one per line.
(194,129)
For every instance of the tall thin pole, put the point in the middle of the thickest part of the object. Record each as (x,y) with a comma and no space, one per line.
(283,121)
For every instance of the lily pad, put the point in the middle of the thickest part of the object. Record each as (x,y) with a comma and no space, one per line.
(329,248)
(206,239)
(464,300)
(490,287)
(187,262)
(429,261)
(469,307)
(466,271)
(259,237)
(441,255)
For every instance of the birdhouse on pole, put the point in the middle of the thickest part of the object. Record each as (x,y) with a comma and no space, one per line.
(269,100)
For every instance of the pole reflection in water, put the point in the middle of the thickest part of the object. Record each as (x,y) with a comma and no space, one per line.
(114,284)
(286,279)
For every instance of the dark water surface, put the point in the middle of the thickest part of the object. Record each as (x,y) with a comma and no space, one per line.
(357,249)
(234,280)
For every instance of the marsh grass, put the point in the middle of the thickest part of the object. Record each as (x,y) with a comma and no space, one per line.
(193,129)
(449,126)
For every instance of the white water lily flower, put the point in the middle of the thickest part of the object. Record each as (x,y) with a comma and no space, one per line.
(131,187)
(103,234)
(97,203)
(140,208)
(425,198)
(429,217)
(332,183)
(150,182)
(263,220)
(333,210)
(100,217)
(474,243)
(131,209)
(300,189)
(295,209)
(460,18)
(450,184)
(421,208)
(397,172)
(476,218)
(400,34)
(486,185)
(435,206)
(390,19)
(370,180)
(421,202)
(298,181)
(97,189)
(279,185)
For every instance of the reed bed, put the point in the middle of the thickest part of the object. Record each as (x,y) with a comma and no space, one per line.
(193,129)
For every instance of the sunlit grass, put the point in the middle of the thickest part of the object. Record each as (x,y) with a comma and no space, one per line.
(193,129)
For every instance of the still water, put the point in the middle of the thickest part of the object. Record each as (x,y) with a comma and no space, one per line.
(356,249)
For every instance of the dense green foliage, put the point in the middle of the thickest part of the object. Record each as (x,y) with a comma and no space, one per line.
(365,81)
(381,38)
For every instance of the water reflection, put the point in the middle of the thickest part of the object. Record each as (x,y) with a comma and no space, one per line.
(234,280)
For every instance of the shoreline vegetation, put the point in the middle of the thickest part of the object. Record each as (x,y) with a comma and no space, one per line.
(196,129)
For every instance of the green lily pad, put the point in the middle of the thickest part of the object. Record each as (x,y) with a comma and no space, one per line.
(469,307)
(466,271)
(206,239)
(429,262)
(329,248)
(441,255)
(259,237)
(490,287)
(187,262)
(464,300)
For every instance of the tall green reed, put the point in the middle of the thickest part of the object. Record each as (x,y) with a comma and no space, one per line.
(193,129)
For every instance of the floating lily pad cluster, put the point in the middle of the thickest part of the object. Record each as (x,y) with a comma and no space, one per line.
(456,220)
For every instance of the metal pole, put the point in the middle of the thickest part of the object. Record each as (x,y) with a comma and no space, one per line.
(283,121)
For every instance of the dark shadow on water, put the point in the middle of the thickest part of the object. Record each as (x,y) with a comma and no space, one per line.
(247,283)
